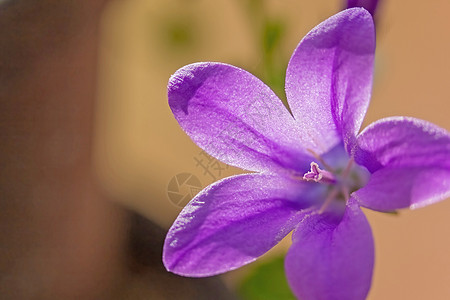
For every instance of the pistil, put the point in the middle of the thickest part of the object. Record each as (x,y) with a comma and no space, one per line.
(316,174)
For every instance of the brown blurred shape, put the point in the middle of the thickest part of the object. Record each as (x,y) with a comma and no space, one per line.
(60,238)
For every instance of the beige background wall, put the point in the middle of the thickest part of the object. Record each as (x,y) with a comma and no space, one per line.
(140,147)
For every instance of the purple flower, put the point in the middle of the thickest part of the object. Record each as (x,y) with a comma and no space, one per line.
(313,170)
(370,5)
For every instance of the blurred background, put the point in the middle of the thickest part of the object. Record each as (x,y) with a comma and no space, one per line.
(145,168)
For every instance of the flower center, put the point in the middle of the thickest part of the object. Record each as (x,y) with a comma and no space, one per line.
(341,182)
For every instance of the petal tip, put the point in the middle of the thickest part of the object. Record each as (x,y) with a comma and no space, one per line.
(358,15)
(358,10)
(183,85)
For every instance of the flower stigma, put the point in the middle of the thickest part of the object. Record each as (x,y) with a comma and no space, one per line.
(318,175)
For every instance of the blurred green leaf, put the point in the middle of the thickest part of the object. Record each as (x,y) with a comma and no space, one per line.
(267,281)
(179,33)
(393,212)
(272,35)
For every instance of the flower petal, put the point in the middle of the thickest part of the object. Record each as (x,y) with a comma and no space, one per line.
(234,221)
(331,257)
(236,118)
(403,142)
(329,79)
(409,160)
(389,189)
